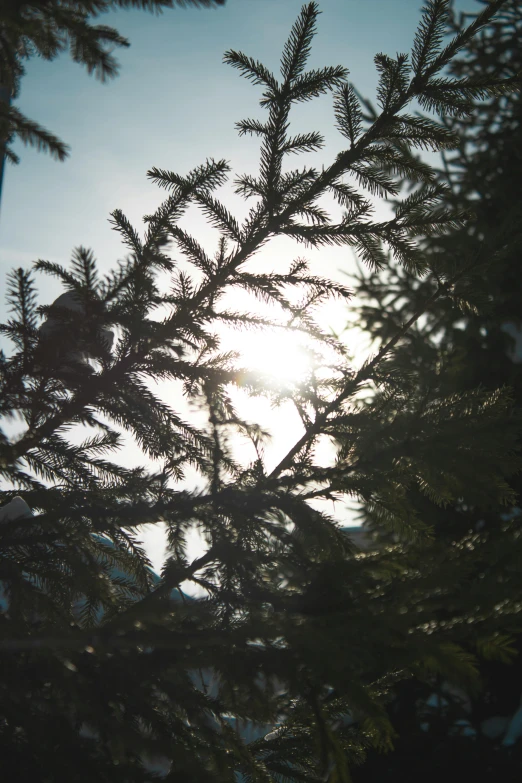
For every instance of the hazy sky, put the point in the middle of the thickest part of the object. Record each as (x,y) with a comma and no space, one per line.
(173,105)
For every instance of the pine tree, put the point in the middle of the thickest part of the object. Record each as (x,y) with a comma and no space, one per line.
(462,342)
(298,635)
(47,28)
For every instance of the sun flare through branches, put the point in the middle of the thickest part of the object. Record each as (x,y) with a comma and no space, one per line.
(280,359)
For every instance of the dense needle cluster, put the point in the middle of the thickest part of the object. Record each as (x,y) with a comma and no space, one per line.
(465,340)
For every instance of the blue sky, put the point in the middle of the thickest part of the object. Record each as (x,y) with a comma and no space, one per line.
(173,105)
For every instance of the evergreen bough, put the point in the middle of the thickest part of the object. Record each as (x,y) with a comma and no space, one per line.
(103,665)
(465,340)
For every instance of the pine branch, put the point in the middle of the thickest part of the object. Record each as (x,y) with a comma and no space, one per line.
(252,70)
(430,33)
(298,46)
(33,135)
(348,113)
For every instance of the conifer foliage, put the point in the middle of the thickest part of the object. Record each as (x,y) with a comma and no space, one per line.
(463,341)
(105,667)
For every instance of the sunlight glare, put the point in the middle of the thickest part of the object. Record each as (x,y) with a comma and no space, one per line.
(281,357)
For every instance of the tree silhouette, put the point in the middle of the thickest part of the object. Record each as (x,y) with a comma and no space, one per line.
(297,636)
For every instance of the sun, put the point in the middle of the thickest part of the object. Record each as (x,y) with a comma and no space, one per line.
(282,359)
